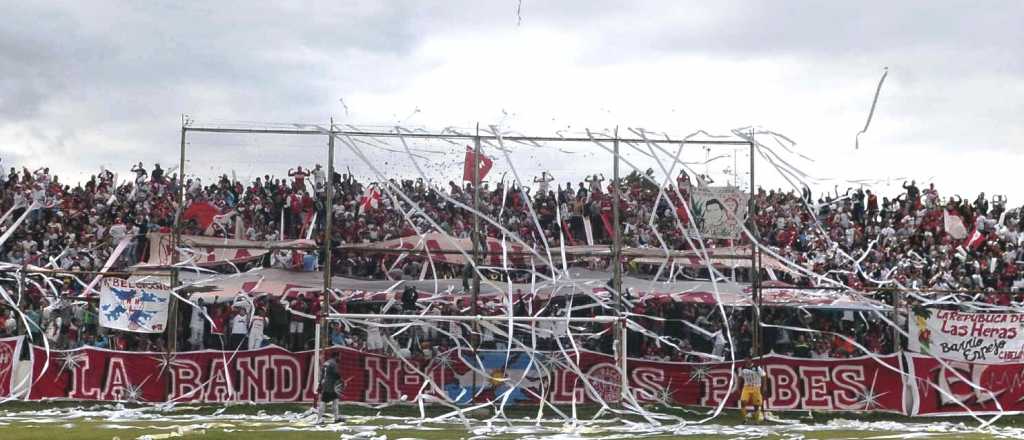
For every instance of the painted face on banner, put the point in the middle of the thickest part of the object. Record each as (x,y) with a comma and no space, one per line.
(714,214)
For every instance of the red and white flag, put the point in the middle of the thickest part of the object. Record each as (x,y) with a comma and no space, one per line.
(484,163)
(954,226)
(370,199)
(974,240)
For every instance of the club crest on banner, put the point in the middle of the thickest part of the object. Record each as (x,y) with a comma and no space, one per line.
(6,362)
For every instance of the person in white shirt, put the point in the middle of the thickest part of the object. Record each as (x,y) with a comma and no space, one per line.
(319,179)
(196,325)
(542,182)
(719,344)
(118,231)
(239,329)
(259,322)
(374,339)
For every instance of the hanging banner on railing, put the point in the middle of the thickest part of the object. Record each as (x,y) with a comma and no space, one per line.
(271,374)
(946,389)
(10,349)
(857,384)
(719,212)
(161,249)
(139,306)
(970,337)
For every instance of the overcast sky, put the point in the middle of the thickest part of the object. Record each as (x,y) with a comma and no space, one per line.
(85,84)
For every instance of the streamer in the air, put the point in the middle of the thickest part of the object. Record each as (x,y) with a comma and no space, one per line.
(856,140)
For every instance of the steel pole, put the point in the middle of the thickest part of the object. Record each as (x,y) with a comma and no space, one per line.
(476,218)
(755,266)
(621,333)
(172,308)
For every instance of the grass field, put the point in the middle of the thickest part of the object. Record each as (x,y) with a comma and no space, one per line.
(74,420)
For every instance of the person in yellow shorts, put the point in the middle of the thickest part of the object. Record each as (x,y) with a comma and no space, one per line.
(751,395)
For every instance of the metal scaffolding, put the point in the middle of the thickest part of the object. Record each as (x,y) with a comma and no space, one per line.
(326,247)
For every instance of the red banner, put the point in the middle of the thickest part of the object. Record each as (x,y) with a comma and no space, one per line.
(10,349)
(272,374)
(859,384)
(946,389)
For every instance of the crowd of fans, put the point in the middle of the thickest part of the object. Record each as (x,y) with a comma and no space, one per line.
(915,239)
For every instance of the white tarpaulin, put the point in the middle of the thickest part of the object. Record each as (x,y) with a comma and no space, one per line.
(285,283)
(719,212)
(135,306)
(161,249)
(445,249)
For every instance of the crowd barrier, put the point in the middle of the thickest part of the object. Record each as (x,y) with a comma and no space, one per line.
(900,383)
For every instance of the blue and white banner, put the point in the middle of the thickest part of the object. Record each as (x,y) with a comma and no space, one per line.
(134,306)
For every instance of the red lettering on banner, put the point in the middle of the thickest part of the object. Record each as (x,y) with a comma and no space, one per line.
(79,388)
(253,378)
(289,375)
(185,384)
(849,384)
(382,375)
(218,389)
(816,394)
(784,393)
(117,382)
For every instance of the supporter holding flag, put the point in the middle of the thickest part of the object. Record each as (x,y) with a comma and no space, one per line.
(954,224)
(370,199)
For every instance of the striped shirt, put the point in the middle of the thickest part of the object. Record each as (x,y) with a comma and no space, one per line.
(752,376)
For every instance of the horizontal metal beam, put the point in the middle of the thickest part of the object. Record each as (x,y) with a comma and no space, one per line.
(476,318)
(533,138)
(255,130)
(58,273)
(554,251)
(385,134)
(293,247)
(373,250)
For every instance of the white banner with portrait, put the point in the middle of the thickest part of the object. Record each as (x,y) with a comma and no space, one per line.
(719,212)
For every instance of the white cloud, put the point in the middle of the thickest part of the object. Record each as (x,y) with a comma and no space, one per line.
(106,85)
